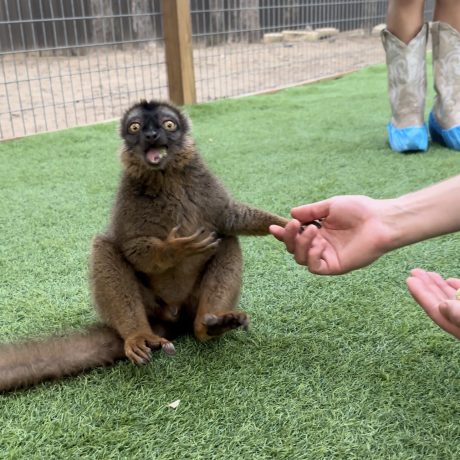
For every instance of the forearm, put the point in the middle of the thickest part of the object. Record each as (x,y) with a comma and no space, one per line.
(241,219)
(424,214)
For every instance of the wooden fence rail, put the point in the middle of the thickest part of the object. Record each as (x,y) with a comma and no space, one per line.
(178,50)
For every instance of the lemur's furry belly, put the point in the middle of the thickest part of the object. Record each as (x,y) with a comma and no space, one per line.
(176,285)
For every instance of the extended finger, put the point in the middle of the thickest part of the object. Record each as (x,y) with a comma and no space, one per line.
(313,211)
(205,241)
(439,313)
(142,352)
(194,236)
(199,248)
(303,242)
(421,291)
(443,285)
(428,285)
(173,232)
(450,309)
(429,301)
(290,233)
(277,232)
(135,359)
(316,262)
(453,282)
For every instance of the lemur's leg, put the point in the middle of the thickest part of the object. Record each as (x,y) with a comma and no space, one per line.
(219,293)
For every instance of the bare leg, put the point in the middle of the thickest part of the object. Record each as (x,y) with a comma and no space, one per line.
(448,11)
(219,293)
(405,18)
(117,295)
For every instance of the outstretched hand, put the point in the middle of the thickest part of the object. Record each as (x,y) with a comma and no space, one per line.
(354,231)
(437,297)
(353,234)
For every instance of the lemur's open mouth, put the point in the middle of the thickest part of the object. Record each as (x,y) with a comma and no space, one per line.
(154,155)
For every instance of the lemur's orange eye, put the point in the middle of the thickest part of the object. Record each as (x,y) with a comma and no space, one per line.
(134,127)
(169,125)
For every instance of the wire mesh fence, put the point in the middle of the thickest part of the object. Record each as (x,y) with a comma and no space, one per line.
(290,42)
(65,63)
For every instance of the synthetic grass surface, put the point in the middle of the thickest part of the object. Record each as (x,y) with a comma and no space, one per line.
(333,367)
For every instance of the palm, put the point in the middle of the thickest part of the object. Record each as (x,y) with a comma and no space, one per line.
(437,297)
(350,237)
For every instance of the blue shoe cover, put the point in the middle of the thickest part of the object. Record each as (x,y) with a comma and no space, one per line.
(411,139)
(448,137)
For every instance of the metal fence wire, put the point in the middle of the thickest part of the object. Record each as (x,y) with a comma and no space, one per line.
(65,63)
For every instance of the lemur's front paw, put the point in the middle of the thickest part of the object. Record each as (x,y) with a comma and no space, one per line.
(201,241)
(282,222)
(212,325)
(139,348)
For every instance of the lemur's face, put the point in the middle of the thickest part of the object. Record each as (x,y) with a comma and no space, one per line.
(154,132)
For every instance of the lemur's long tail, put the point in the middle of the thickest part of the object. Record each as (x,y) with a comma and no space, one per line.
(27,363)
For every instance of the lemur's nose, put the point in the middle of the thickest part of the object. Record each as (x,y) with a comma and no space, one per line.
(151,135)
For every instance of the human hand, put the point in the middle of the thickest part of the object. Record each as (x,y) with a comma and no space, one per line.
(354,232)
(437,297)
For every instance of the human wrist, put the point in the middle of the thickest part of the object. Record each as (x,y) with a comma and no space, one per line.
(416,217)
(394,224)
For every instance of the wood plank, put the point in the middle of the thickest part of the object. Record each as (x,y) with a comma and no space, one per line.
(178,50)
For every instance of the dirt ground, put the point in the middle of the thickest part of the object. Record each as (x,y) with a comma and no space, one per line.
(45,93)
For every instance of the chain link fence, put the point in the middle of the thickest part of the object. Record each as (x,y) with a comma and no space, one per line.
(66,63)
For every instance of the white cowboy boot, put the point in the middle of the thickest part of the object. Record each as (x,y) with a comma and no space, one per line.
(407,89)
(445,117)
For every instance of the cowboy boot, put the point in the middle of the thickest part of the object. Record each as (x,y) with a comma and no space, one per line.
(407,89)
(444,119)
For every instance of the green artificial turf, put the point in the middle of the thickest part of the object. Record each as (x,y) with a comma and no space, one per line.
(333,367)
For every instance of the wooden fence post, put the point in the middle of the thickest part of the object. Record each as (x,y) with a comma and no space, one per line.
(177,29)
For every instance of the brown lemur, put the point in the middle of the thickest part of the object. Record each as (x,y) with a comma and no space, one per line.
(169,263)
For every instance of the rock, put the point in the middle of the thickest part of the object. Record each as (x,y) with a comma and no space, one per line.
(326,32)
(311,36)
(273,38)
(299,35)
(355,33)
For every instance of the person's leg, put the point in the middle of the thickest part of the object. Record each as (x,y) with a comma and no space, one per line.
(405,18)
(445,116)
(404,41)
(448,11)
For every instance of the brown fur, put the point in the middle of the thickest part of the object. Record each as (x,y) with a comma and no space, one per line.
(170,262)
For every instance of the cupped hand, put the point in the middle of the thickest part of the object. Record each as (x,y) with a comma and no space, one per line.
(437,297)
